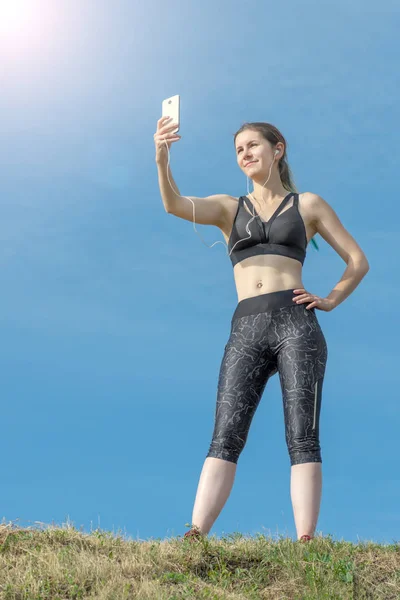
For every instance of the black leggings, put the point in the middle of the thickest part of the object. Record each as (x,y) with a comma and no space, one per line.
(269,334)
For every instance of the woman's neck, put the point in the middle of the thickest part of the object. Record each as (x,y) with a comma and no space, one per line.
(269,197)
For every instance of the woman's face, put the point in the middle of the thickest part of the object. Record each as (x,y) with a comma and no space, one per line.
(252,146)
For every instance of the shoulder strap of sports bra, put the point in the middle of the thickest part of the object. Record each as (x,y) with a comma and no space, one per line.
(242,201)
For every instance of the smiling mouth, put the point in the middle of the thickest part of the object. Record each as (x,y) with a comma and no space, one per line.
(251,163)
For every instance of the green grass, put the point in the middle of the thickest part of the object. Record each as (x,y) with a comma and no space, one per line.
(60,563)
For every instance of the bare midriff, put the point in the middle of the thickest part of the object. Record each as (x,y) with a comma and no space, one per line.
(262,274)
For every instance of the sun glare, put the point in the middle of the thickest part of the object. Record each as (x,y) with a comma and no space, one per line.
(15,16)
(25,26)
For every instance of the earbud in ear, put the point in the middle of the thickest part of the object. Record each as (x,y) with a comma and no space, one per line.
(276,151)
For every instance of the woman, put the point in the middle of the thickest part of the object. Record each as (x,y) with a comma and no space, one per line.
(274,327)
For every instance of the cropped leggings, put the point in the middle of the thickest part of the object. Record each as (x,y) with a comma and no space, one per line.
(270,333)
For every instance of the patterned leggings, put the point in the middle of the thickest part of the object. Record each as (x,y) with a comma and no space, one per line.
(270,333)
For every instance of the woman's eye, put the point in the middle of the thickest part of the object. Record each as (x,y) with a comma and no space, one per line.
(253,144)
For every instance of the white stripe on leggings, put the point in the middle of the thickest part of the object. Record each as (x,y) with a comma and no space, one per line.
(315,403)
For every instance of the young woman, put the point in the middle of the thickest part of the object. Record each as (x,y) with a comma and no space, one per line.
(274,328)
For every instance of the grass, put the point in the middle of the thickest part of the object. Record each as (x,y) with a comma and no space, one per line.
(61,563)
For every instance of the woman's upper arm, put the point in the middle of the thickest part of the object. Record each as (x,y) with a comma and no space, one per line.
(329,226)
(211,210)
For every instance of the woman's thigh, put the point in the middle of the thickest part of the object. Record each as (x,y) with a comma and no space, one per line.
(301,352)
(246,366)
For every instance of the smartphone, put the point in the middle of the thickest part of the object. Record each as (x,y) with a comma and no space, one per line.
(171,108)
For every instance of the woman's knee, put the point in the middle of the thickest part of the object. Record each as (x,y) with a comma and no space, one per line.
(227,447)
(304,450)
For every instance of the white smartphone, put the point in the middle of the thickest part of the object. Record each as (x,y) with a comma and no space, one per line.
(171,108)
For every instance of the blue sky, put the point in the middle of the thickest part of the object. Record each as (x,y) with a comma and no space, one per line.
(114,314)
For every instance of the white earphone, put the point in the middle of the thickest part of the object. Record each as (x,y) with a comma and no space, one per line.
(194,217)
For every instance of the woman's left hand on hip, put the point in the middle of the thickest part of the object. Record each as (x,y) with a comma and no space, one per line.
(303,296)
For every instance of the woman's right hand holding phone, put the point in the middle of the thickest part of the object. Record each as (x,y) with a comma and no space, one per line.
(164,137)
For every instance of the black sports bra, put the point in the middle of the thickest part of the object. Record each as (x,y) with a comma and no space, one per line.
(283,234)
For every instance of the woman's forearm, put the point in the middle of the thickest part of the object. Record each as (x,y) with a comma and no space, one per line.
(352,276)
(168,195)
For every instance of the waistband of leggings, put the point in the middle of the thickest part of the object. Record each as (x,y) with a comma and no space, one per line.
(264,303)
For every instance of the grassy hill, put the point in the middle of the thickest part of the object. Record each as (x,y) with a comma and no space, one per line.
(64,563)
